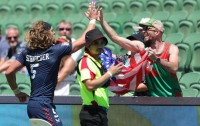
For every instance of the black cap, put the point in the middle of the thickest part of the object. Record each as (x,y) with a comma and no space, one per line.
(136,36)
(94,35)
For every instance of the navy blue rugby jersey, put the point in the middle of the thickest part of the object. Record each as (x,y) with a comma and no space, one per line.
(43,67)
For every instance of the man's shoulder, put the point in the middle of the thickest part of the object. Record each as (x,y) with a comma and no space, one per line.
(4,43)
(3,39)
(22,44)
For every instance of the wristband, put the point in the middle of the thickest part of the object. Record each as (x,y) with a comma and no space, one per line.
(16,91)
(110,73)
(157,60)
(92,21)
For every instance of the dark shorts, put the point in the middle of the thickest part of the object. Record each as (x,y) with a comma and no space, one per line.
(93,116)
(43,108)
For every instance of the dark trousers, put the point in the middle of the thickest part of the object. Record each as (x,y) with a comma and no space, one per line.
(43,108)
(93,116)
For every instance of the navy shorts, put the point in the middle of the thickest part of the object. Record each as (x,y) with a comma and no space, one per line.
(43,108)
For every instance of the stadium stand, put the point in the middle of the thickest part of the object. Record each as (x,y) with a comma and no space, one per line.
(171,6)
(83,6)
(104,5)
(153,6)
(178,16)
(45,2)
(159,15)
(78,29)
(198,26)
(25,27)
(141,15)
(169,27)
(197,87)
(119,7)
(194,17)
(69,8)
(56,18)
(4,1)
(181,20)
(192,39)
(25,88)
(124,18)
(136,6)
(3,79)
(190,92)
(5,12)
(110,16)
(116,26)
(190,78)
(52,9)
(174,38)
(5,90)
(129,28)
(21,78)
(20,10)
(190,5)
(179,75)
(37,12)
(186,27)
(74,89)
(195,63)
(36,9)
(185,56)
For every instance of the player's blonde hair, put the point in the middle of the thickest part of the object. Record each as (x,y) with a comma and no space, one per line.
(39,36)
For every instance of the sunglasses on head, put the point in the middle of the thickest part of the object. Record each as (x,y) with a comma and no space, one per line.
(62,29)
(10,37)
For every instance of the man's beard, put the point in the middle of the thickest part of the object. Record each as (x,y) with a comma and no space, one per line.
(147,43)
(13,44)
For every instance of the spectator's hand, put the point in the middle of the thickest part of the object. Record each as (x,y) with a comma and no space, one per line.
(22,96)
(92,12)
(100,14)
(116,69)
(151,54)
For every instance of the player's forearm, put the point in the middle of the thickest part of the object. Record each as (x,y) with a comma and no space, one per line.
(62,75)
(4,66)
(60,78)
(11,74)
(68,67)
(11,78)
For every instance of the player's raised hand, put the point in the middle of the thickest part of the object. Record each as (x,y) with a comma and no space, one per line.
(92,12)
